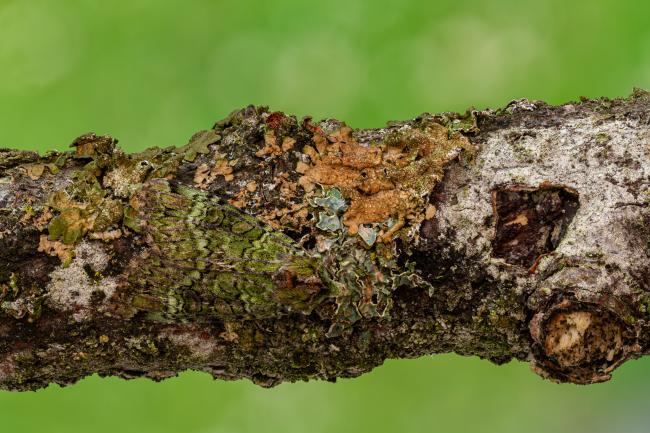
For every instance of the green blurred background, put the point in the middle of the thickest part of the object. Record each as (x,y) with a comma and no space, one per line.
(152,72)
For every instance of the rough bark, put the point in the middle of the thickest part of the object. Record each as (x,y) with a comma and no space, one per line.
(279,250)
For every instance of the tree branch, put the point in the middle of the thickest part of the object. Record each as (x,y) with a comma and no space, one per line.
(279,250)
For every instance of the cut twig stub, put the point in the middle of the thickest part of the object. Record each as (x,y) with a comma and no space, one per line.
(579,343)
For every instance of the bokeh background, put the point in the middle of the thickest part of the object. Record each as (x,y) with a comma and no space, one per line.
(152,72)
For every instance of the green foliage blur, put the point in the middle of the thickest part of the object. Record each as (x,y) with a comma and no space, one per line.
(152,72)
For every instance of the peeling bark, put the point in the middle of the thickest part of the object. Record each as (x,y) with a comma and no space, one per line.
(279,250)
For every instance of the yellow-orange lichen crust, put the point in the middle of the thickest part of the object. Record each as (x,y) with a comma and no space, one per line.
(382,180)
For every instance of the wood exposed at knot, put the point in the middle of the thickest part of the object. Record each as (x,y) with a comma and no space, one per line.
(531,222)
(578,338)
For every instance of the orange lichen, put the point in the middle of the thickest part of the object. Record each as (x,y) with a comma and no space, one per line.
(270,145)
(55,248)
(239,200)
(107,235)
(222,168)
(201,175)
(286,187)
(287,143)
(306,184)
(373,208)
(301,167)
(310,151)
(388,235)
(358,157)
(295,214)
(41,222)
(205,175)
(430,212)
(383,180)
(251,186)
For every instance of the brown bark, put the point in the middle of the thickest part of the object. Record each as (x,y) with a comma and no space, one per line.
(280,250)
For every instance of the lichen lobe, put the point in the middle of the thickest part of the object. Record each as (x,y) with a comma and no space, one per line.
(382,180)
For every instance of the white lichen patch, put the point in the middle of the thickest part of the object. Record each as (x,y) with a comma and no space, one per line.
(606,161)
(71,288)
(200,344)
